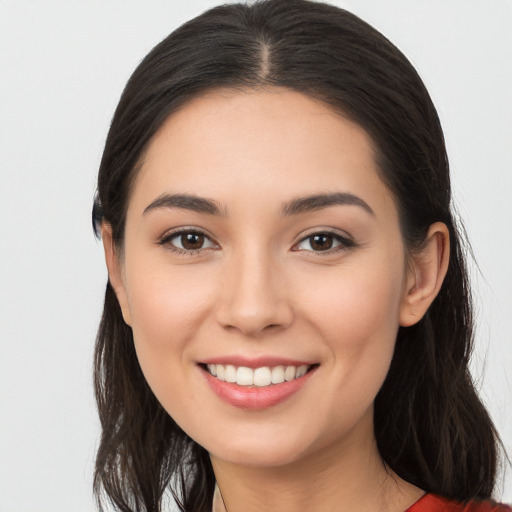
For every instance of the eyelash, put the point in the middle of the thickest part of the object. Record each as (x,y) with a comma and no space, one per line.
(344,242)
(166,241)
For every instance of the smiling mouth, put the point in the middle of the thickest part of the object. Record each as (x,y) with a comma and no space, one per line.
(264,376)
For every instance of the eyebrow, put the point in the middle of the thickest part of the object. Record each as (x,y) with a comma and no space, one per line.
(319,201)
(294,207)
(185,202)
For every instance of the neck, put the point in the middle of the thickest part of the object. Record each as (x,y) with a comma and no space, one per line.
(349,475)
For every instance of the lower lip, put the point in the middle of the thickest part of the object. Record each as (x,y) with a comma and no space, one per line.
(255,398)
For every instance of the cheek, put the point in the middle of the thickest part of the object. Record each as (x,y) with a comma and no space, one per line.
(359,301)
(357,314)
(357,320)
(166,303)
(167,308)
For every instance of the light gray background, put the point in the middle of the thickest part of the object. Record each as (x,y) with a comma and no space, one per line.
(63,65)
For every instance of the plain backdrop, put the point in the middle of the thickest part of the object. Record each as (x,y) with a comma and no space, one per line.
(63,65)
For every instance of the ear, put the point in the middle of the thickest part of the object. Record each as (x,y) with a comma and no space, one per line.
(428,268)
(114,267)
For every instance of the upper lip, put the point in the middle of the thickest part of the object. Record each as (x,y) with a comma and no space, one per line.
(255,362)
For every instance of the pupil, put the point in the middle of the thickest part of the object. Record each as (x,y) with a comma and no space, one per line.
(192,241)
(321,242)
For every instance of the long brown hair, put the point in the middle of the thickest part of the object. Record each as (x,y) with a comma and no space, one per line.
(430,425)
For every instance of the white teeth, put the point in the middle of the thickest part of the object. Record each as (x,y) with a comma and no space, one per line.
(260,377)
(301,370)
(289,373)
(244,376)
(230,375)
(220,371)
(278,375)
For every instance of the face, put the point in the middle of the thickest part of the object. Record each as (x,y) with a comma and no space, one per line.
(262,247)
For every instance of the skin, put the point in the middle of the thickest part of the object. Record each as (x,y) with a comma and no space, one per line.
(257,288)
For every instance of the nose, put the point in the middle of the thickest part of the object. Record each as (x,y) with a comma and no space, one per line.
(254,297)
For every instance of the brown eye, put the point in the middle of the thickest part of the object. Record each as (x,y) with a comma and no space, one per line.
(187,241)
(192,241)
(324,242)
(321,242)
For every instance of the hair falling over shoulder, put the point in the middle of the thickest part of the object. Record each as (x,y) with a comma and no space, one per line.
(430,425)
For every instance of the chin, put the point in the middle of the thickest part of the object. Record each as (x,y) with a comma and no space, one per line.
(250,456)
(269,447)
(264,447)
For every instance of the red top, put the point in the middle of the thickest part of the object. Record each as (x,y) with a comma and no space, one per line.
(433,503)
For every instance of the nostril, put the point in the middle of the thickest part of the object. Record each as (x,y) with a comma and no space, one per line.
(253,317)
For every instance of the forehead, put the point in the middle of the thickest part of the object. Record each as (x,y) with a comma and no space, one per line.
(235,145)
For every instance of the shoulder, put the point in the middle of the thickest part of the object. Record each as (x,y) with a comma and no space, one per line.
(433,503)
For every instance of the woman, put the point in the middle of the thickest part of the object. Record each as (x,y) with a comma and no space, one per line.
(287,322)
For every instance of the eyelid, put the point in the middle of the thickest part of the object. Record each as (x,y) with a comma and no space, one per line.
(345,241)
(165,240)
